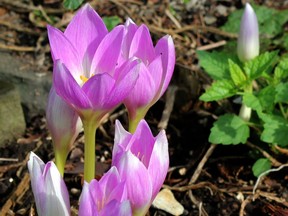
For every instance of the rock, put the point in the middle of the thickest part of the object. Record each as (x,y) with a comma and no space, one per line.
(33,85)
(12,122)
(166,201)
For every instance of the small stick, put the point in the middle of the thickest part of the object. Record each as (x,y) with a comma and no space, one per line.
(170,99)
(17,48)
(265,154)
(212,45)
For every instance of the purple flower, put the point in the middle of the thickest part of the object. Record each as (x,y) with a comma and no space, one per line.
(156,68)
(108,197)
(248,39)
(64,125)
(49,189)
(142,161)
(86,72)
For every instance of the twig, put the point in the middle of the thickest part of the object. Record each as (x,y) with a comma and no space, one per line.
(18,28)
(245,202)
(212,45)
(9,159)
(17,48)
(170,98)
(265,173)
(265,154)
(192,28)
(195,177)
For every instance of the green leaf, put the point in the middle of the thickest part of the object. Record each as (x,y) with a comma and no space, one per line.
(215,64)
(270,20)
(258,66)
(266,97)
(250,100)
(260,166)
(236,73)
(72,4)
(281,71)
(111,21)
(219,90)
(281,93)
(229,129)
(275,130)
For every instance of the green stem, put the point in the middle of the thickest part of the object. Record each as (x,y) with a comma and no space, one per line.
(282,110)
(136,118)
(90,127)
(60,160)
(245,112)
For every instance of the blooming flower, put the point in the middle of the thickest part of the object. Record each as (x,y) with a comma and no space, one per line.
(88,75)
(248,39)
(142,161)
(49,189)
(108,197)
(64,125)
(155,72)
(85,60)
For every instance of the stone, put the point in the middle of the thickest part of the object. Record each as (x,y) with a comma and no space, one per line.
(12,122)
(32,84)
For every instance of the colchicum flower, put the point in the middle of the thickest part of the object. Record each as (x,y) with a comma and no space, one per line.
(49,189)
(248,39)
(248,47)
(87,74)
(64,125)
(155,72)
(108,197)
(142,161)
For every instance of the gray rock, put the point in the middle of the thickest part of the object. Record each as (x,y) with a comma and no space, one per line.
(12,122)
(33,86)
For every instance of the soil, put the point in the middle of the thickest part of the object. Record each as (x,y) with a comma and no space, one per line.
(225,183)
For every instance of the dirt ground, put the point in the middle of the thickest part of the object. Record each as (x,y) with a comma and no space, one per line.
(206,179)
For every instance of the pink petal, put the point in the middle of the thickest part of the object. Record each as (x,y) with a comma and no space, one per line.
(156,70)
(87,205)
(126,76)
(67,88)
(121,140)
(63,122)
(108,51)
(115,208)
(159,162)
(130,29)
(142,143)
(137,179)
(143,91)
(61,48)
(165,47)
(142,46)
(97,89)
(85,32)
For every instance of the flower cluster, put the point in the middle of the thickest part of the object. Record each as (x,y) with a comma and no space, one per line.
(94,72)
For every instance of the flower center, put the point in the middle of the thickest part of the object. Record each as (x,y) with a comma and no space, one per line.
(83,78)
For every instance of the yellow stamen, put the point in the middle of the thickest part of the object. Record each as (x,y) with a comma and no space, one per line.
(83,78)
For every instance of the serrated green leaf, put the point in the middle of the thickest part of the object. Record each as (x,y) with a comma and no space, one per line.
(111,21)
(259,65)
(252,101)
(215,64)
(72,4)
(229,129)
(260,166)
(275,130)
(281,71)
(219,90)
(266,97)
(236,73)
(281,93)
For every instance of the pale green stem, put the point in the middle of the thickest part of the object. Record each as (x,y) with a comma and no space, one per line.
(90,127)
(136,118)
(245,112)
(60,159)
